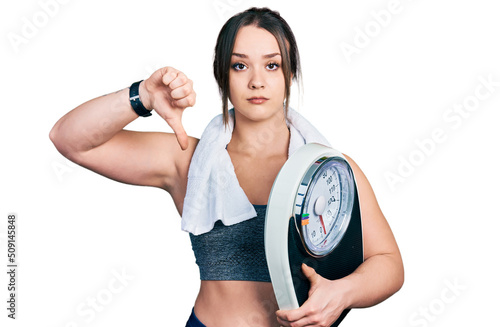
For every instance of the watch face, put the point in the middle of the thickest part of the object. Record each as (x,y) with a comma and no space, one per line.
(324,204)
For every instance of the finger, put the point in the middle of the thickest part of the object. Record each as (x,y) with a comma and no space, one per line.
(282,318)
(169,75)
(179,80)
(289,316)
(180,133)
(300,320)
(181,91)
(188,101)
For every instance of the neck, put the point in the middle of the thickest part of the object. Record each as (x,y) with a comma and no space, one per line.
(266,137)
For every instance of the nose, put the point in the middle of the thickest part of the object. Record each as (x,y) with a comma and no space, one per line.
(256,80)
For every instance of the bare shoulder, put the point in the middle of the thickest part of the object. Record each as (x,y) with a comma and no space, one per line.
(364,188)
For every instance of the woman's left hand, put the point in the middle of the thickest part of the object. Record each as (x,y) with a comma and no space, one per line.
(325,303)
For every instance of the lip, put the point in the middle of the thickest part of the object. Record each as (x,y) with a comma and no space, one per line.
(257,100)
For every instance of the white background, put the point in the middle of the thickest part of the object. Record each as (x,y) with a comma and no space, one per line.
(77,229)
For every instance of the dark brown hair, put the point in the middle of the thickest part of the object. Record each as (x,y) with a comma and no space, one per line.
(272,22)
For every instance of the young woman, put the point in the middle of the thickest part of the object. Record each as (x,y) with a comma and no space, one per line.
(256,59)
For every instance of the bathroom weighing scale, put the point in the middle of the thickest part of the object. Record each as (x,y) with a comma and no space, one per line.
(312,217)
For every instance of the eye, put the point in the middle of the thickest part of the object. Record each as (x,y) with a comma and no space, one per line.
(273,66)
(238,66)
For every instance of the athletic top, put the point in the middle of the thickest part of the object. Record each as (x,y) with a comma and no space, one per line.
(234,252)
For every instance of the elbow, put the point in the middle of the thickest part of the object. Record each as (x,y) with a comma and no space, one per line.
(395,278)
(53,135)
(400,281)
(60,142)
(395,274)
(56,139)
(399,276)
(397,270)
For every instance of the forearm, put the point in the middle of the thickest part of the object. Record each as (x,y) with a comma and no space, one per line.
(374,281)
(92,123)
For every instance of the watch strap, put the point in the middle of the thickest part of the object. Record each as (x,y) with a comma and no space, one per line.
(135,101)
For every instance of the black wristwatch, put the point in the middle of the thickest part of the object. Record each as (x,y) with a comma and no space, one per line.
(135,101)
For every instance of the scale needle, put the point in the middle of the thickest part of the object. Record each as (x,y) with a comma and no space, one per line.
(322,223)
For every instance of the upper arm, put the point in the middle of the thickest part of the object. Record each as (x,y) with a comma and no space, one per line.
(377,235)
(139,158)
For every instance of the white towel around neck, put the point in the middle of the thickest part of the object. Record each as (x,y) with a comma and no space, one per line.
(213,191)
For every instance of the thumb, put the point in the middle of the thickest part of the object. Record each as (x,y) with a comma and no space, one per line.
(310,273)
(176,125)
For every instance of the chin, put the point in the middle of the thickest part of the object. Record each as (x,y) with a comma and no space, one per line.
(258,112)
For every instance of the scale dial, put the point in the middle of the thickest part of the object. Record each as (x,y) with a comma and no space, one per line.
(324,204)
(304,224)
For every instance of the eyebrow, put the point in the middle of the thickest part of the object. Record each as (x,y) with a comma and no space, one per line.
(267,56)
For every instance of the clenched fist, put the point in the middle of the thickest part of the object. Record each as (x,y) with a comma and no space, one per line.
(168,91)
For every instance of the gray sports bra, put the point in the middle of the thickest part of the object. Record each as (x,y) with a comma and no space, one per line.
(233,252)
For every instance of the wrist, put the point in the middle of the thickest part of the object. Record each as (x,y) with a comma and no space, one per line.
(144,96)
(136,101)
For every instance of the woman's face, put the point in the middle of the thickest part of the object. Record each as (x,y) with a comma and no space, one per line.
(256,82)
